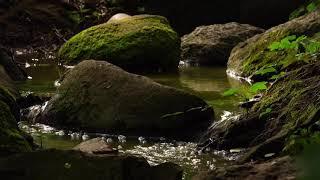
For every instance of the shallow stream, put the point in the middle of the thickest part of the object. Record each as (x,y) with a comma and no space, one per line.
(207,82)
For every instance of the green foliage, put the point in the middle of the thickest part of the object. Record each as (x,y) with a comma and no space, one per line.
(309,7)
(254,89)
(231,92)
(289,42)
(263,71)
(301,139)
(312,47)
(296,48)
(259,86)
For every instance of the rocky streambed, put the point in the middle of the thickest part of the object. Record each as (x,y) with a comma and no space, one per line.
(118,87)
(208,83)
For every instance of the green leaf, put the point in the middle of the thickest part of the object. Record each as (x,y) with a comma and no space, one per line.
(312,47)
(274,46)
(259,86)
(301,38)
(290,38)
(231,92)
(311,7)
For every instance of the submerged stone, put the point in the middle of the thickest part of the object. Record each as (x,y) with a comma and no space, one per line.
(98,96)
(142,43)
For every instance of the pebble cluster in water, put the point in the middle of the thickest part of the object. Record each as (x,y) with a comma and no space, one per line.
(185,154)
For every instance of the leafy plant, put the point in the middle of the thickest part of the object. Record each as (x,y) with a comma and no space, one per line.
(309,7)
(231,92)
(302,138)
(263,70)
(259,86)
(301,47)
(289,42)
(312,47)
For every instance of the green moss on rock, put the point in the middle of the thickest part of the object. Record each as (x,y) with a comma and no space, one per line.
(137,43)
(294,102)
(250,56)
(11,138)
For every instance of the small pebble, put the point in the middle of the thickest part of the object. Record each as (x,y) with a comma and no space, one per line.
(60,133)
(109,140)
(122,139)
(85,137)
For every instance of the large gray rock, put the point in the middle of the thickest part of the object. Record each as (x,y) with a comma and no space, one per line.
(98,96)
(211,45)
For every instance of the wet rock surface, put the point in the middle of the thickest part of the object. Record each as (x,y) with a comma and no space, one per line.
(211,45)
(96,146)
(69,165)
(278,169)
(289,112)
(12,139)
(98,96)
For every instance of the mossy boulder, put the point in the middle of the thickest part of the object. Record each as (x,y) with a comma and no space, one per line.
(291,104)
(138,43)
(75,165)
(12,140)
(249,57)
(100,97)
(211,45)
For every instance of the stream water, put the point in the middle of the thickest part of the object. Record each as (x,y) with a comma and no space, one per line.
(207,82)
